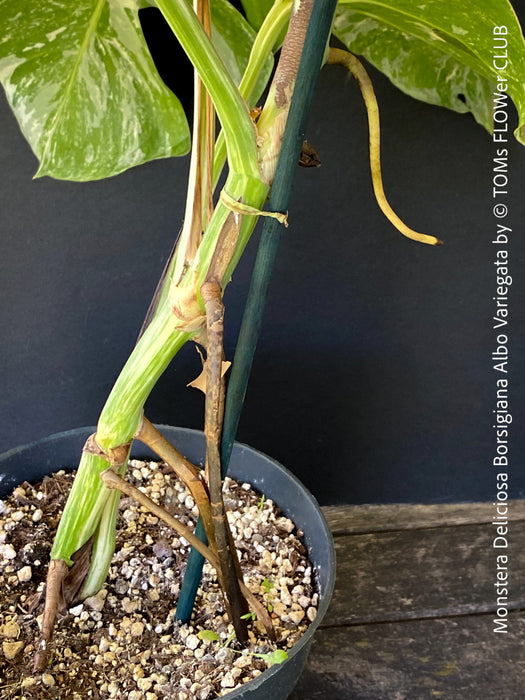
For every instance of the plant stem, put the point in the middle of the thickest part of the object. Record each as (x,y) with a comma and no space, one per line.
(189,474)
(114,481)
(265,42)
(273,117)
(311,60)
(103,547)
(173,322)
(159,343)
(231,109)
(55,576)
(122,412)
(84,508)
(199,198)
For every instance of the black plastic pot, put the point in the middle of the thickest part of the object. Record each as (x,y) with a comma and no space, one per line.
(62,450)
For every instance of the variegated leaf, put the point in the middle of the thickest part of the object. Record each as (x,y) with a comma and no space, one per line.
(440,51)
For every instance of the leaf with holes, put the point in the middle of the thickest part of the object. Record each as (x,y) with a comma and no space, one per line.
(440,52)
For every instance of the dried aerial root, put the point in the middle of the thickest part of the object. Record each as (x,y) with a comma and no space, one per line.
(349,61)
(54,601)
(185,470)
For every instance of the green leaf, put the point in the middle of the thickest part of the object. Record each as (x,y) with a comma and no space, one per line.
(267,585)
(208,636)
(233,38)
(84,88)
(256,11)
(439,51)
(275,657)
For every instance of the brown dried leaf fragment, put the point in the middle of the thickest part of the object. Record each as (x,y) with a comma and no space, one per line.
(200,381)
(76,574)
(309,157)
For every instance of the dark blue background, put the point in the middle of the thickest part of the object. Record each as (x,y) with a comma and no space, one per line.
(373,378)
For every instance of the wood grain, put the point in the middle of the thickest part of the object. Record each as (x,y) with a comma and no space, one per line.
(456,659)
(414,606)
(346,520)
(411,574)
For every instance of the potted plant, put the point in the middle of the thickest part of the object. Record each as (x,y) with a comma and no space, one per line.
(90,102)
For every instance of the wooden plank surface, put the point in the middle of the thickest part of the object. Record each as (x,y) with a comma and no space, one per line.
(413,610)
(435,572)
(453,659)
(378,518)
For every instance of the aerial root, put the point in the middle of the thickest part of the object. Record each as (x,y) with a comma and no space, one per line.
(351,63)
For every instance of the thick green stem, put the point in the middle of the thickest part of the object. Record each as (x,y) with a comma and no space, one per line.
(269,38)
(83,510)
(121,415)
(103,547)
(122,412)
(228,231)
(117,425)
(266,42)
(251,191)
(231,109)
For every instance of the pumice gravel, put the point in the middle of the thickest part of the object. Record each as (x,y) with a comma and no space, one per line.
(125,642)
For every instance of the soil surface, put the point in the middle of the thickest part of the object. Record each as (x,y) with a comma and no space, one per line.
(125,642)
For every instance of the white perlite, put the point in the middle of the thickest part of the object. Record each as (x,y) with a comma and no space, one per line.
(24,574)
(7,551)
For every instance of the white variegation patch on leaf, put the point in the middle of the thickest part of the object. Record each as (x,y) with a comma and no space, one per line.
(439,52)
(416,68)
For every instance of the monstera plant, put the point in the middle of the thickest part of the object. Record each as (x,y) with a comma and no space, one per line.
(87,95)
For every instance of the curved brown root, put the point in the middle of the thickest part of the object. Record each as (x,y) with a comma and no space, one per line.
(54,600)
